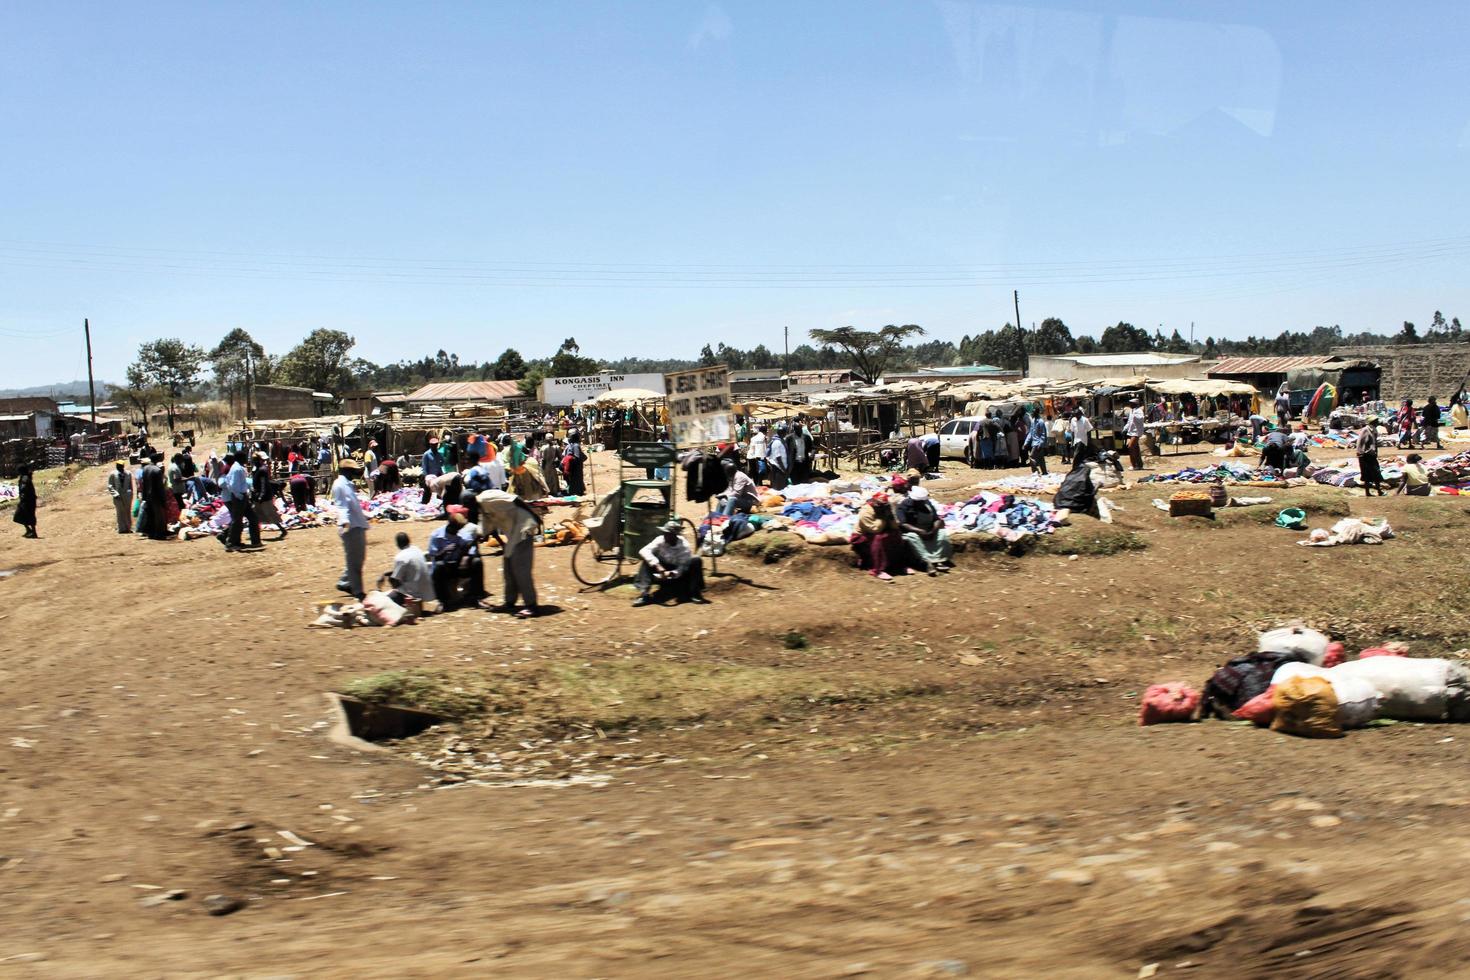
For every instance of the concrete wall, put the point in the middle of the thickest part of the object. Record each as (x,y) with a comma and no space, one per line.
(278,402)
(1416,370)
(1066,369)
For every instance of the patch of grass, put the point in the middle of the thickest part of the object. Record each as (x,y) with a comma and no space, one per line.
(1102,539)
(448,696)
(769,547)
(618,695)
(795,641)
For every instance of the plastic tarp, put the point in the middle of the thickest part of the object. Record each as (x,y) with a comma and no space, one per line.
(1208,387)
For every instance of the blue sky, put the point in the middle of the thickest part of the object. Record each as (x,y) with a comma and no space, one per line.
(650,176)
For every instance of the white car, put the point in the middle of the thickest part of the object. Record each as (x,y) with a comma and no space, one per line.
(954,436)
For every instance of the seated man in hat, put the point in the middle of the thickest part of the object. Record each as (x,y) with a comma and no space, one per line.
(455,568)
(672,565)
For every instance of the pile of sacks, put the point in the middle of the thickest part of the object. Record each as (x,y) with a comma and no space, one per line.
(1299,682)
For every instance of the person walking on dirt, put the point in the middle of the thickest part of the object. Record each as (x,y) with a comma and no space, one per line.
(236,491)
(1432,417)
(1035,446)
(25,502)
(1370,474)
(1134,430)
(669,564)
(352,524)
(572,464)
(120,486)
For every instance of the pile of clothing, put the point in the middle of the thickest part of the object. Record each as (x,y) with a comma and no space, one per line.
(1029,483)
(9,491)
(1232,473)
(826,513)
(209,518)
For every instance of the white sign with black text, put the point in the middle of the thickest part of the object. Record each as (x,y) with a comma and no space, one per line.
(699,407)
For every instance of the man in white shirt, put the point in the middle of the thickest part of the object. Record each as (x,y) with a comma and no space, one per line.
(755,453)
(740,495)
(670,564)
(1134,430)
(517,525)
(352,524)
(410,576)
(1081,436)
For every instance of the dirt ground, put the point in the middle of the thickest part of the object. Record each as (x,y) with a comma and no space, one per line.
(816,775)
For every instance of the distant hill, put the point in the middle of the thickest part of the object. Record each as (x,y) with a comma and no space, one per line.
(61,390)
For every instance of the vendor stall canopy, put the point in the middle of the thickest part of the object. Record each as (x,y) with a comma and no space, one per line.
(624,397)
(1200,387)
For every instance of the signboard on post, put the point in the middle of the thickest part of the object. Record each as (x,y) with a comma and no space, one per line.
(567,391)
(699,407)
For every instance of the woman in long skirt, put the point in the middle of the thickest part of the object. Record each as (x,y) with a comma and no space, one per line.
(25,504)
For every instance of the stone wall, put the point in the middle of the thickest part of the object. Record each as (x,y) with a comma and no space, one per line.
(1416,370)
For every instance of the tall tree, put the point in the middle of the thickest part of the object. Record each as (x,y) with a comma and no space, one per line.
(568,361)
(707,356)
(509,366)
(1408,335)
(319,362)
(869,351)
(1125,338)
(237,361)
(1052,337)
(169,366)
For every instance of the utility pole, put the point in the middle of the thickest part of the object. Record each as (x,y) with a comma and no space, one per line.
(249,363)
(91,386)
(1021,334)
(786,361)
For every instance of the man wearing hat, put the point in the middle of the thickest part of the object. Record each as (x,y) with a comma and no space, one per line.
(352,524)
(517,525)
(672,565)
(1134,431)
(433,466)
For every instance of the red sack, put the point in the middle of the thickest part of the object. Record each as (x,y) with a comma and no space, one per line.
(1378,652)
(1334,655)
(1259,709)
(1174,701)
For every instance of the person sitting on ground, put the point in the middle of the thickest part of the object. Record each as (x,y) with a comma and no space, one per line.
(878,540)
(1415,479)
(924,531)
(409,576)
(740,496)
(454,559)
(669,564)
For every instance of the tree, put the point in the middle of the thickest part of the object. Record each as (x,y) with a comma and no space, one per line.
(509,366)
(1086,345)
(319,362)
(1052,337)
(1176,344)
(1408,335)
(1211,352)
(169,366)
(237,359)
(707,356)
(869,351)
(1123,338)
(567,362)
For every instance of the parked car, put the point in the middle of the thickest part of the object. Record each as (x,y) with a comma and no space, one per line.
(954,436)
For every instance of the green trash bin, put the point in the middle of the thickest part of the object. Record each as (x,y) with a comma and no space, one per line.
(643,518)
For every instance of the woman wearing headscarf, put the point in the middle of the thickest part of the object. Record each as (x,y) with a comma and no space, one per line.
(25,503)
(572,463)
(549,456)
(878,541)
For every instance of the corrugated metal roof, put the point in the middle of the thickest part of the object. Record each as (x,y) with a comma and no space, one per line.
(462,391)
(1268,365)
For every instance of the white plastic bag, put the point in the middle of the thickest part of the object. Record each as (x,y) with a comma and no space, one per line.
(1309,643)
(1409,689)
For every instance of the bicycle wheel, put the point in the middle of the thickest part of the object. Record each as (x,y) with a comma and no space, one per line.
(593,565)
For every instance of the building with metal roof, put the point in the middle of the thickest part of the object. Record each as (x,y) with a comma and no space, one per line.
(465,392)
(1086,367)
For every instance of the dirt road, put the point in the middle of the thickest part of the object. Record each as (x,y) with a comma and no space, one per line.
(942,778)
